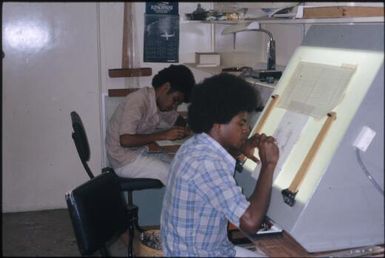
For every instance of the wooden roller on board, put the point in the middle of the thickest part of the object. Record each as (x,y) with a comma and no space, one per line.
(289,193)
(266,114)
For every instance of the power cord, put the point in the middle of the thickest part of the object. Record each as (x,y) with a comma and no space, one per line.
(366,171)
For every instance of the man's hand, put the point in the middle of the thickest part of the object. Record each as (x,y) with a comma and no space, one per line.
(268,150)
(175,133)
(266,146)
(248,148)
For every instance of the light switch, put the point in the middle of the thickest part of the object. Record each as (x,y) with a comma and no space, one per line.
(364,138)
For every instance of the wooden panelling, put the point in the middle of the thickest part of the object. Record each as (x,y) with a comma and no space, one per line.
(120,92)
(341,11)
(130,72)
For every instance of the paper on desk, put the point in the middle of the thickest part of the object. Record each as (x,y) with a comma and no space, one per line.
(170,143)
(273,229)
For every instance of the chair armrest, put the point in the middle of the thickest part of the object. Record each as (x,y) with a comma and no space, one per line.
(107,169)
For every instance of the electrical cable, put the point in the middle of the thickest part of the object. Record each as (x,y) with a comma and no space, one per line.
(371,179)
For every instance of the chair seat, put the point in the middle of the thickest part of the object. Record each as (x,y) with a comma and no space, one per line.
(98,213)
(132,184)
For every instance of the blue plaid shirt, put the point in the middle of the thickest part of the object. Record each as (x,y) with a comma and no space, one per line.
(201,197)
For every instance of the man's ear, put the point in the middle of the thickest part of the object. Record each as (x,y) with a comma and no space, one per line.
(165,87)
(216,129)
(216,132)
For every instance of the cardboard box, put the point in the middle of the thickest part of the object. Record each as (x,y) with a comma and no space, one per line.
(209,59)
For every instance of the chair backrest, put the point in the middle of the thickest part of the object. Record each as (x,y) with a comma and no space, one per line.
(98,213)
(81,142)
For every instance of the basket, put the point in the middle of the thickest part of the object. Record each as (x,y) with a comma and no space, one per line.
(149,244)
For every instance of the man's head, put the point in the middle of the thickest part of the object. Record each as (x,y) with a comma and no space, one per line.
(220,106)
(173,86)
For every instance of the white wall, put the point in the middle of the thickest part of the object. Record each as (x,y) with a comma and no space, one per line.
(50,68)
(57,57)
(193,38)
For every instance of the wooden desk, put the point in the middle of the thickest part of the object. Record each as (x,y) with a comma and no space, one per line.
(279,245)
(283,245)
(155,148)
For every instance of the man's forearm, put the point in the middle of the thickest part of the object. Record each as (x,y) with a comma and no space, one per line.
(128,140)
(260,197)
(259,200)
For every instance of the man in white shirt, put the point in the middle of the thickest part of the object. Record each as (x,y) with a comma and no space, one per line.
(145,116)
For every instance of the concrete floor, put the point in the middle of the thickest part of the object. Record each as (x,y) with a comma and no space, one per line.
(43,233)
(49,233)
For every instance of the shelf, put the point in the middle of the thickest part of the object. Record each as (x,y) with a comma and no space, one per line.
(206,69)
(323,20)
(266,20)
(218,69)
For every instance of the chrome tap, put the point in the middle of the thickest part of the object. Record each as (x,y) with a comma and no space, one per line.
(246,27)
(270,48)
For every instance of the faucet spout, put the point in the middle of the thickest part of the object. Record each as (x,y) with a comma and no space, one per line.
(271,55)
(270,48)
(270,45)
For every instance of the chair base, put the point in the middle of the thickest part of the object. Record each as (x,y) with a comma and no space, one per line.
(132,225)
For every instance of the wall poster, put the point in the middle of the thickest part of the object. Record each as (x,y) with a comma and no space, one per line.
(161,32)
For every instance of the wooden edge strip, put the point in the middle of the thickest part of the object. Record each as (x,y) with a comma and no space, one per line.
(120,92)
(130,72)
(266,113)
(312,153)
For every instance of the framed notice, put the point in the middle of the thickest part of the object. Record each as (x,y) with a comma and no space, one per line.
(161,32)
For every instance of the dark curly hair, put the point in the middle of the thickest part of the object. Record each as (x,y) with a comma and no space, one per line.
(218,99)
(180,78)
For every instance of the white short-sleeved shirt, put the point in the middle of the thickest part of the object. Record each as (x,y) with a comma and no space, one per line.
(137,114)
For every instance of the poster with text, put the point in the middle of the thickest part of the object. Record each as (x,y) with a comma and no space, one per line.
(161,32)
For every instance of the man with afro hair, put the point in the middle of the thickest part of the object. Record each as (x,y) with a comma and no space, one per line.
(202,195)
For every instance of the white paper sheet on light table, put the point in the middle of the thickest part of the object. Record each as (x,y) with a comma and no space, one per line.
(315,89)
(287,134)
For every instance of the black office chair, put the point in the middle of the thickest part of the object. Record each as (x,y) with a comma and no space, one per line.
(126,184)
(98,213)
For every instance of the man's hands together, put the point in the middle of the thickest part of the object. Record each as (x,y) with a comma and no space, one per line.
(266,145)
